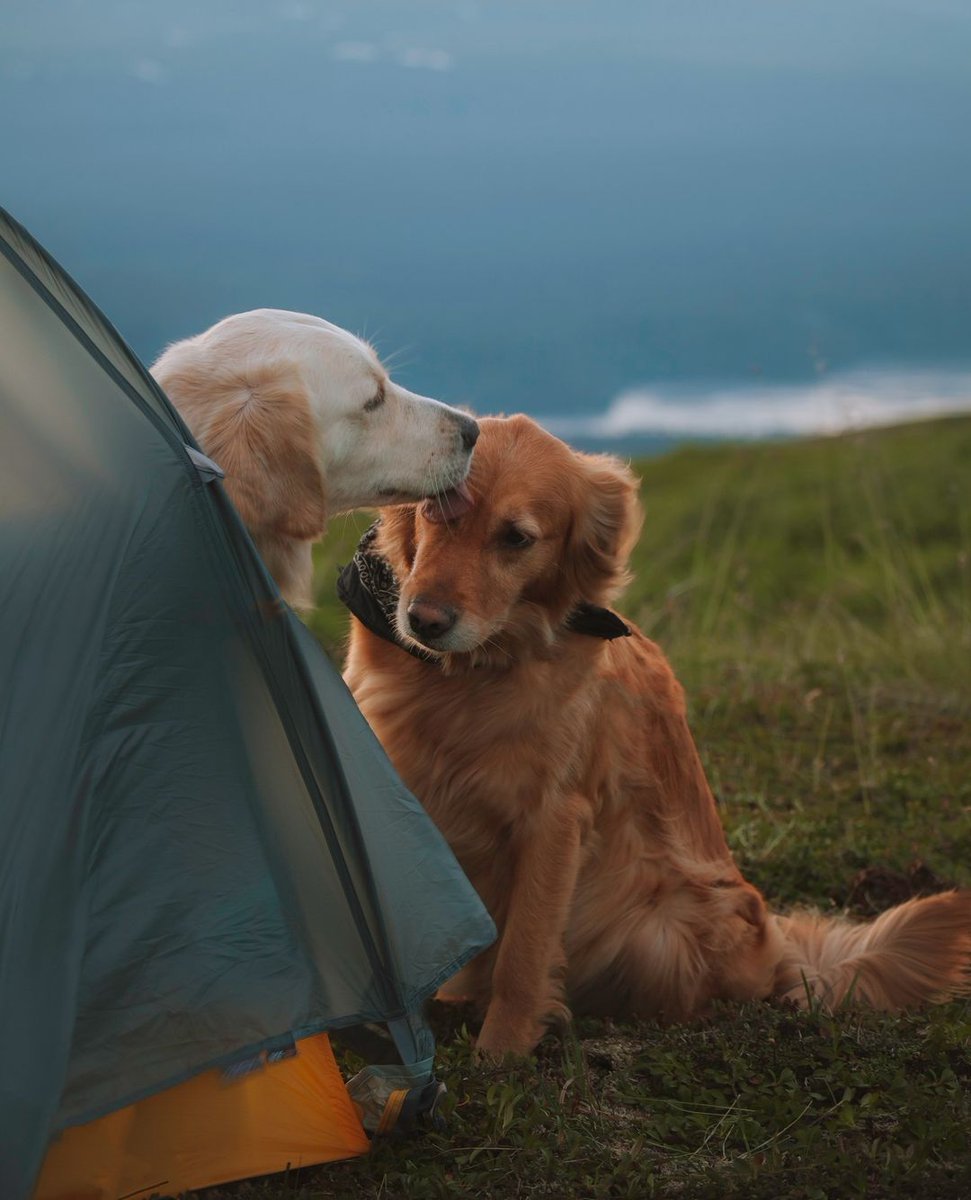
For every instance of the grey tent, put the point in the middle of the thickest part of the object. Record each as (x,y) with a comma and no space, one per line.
(206,859)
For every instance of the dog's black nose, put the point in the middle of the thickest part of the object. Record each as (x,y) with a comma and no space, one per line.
(429,620)
(470,432)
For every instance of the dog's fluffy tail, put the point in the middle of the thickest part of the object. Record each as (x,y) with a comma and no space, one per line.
(917,953)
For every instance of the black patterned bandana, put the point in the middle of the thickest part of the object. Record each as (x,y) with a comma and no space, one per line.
(368,587)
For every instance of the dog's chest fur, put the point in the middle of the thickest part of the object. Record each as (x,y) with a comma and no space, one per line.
(487,752)
(484,752)
(474,734)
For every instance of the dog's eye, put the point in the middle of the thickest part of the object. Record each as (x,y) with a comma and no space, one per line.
(515,539)
(376,400)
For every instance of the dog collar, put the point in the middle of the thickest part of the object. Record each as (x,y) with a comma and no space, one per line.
(369,589)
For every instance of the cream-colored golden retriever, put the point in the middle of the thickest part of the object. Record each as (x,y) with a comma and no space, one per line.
(556,759)
(305,422)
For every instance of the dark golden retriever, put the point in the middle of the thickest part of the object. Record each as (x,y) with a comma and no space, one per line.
(557,761)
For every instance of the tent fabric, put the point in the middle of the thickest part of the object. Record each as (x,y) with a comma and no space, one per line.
(210,1130)
(203,847)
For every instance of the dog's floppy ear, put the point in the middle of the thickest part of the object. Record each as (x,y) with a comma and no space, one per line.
(606,521)
(397,537)
(258,427)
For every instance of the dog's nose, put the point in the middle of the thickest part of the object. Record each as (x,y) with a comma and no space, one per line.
(429,620)
(469,431)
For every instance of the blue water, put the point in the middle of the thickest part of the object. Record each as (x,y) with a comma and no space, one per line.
(535,205)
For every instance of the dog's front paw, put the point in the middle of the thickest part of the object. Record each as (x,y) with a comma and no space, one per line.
(504,1034)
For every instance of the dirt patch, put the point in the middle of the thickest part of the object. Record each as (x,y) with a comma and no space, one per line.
(875,889)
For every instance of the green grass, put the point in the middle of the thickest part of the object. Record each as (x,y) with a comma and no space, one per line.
(815,599)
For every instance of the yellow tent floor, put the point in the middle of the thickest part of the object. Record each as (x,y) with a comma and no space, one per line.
(210,1130)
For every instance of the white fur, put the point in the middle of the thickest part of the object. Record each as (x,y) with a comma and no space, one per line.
(267,365)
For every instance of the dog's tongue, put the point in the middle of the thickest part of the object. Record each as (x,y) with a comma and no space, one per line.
(448,506)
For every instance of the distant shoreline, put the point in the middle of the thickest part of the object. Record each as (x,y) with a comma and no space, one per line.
(653,419)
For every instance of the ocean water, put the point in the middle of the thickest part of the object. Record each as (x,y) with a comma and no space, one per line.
(636,220)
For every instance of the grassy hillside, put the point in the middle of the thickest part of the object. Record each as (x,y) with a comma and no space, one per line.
(815,599)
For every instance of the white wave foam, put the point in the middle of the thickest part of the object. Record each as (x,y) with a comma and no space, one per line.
(853,400)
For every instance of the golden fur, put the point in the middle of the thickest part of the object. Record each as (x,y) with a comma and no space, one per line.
(561,769)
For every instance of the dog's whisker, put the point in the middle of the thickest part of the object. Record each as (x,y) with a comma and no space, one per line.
(395,360)
(370,339)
